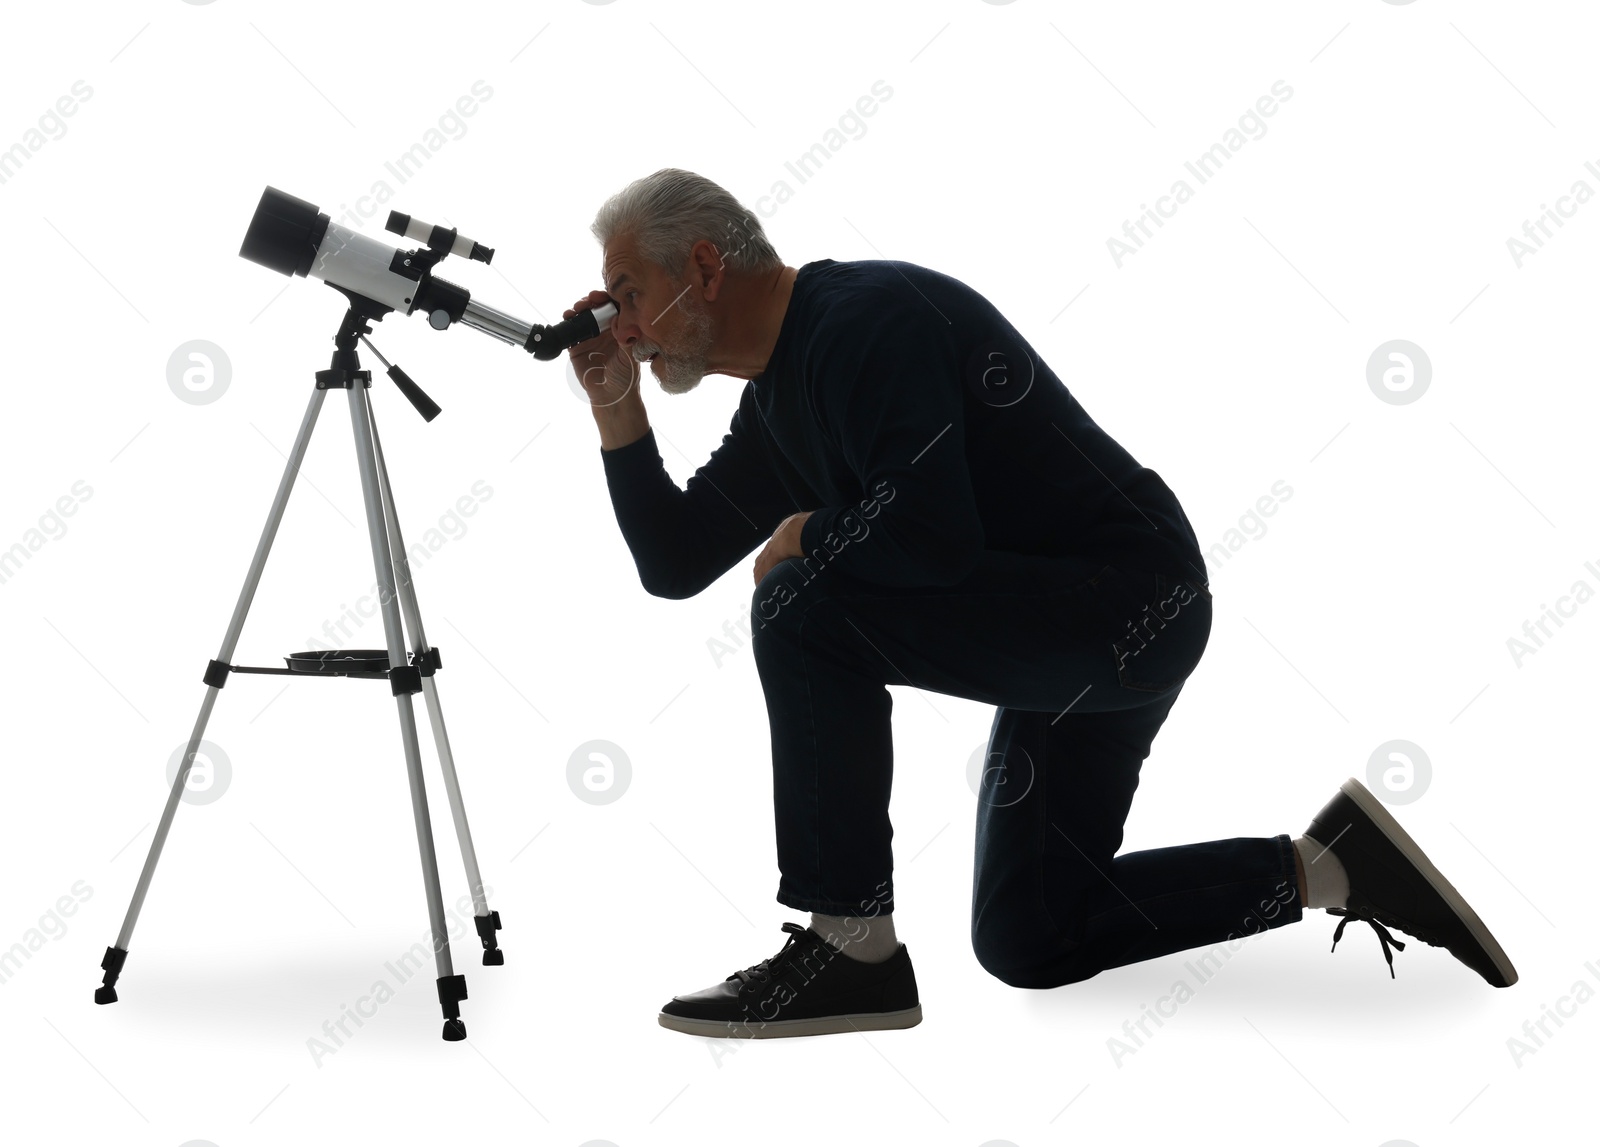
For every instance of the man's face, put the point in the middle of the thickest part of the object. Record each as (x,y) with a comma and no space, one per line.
(659,320)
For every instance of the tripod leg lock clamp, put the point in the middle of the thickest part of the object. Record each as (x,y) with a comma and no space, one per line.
(217,673)
(452,990)
(487,926)
(405,679)
(427,661)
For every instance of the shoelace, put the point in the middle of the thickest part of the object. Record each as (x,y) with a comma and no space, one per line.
(766,969)
(1384,938)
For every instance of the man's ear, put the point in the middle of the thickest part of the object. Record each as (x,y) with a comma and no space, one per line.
(708,269)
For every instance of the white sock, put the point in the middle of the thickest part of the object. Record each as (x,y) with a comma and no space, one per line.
(1327,886)
(870,940)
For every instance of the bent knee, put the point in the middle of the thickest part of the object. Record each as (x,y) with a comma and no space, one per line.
(777,600)
(1031,959)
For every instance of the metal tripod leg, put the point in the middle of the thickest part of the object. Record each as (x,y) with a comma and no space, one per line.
(115,957)
(452,988)
(487,922)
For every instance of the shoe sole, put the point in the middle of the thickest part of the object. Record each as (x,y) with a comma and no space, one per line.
(822,1025)
(1408,848)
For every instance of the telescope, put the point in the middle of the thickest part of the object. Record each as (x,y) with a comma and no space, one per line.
(292,237)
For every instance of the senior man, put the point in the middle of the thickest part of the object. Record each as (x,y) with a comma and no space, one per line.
(937,510)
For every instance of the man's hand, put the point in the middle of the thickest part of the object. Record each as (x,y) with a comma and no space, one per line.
(785,543)
(610,377)
(606,369)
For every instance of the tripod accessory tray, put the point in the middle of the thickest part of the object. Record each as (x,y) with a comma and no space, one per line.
(368,663)
(341,662)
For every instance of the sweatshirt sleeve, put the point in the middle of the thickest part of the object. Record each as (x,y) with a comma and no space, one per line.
(682,540)
(897,416)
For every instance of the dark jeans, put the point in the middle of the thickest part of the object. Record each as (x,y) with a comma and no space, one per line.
(1083,662)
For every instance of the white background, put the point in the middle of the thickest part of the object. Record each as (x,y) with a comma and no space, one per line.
(1229,354)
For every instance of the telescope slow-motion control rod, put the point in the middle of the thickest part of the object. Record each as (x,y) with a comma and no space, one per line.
(292,237)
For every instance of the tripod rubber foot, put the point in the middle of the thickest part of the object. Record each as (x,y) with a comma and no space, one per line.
(455,1030)
(494,958)
(111,963)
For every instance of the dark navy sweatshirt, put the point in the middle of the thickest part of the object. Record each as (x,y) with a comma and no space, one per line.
(922,429)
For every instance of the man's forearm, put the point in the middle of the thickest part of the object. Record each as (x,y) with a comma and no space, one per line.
(622,423)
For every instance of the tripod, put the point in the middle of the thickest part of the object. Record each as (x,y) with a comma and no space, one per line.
(388,557)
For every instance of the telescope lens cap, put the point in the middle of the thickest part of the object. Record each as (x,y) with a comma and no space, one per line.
(284,233)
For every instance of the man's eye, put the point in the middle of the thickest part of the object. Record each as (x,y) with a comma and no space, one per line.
(631,294)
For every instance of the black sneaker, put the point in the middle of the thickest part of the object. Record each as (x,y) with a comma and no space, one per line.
(809,988)
(1392,882)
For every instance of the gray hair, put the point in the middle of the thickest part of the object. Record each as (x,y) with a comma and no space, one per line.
(668,212)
